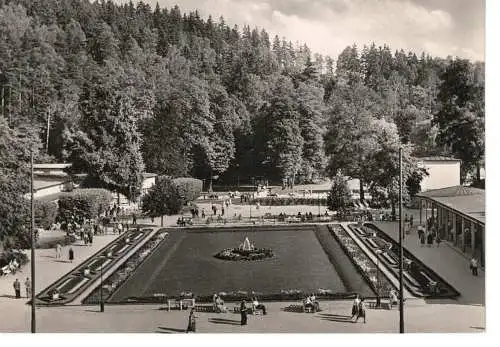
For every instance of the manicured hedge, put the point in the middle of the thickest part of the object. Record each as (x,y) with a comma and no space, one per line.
(285,201)
(63,240)
(9,255)
(84,203)
(45,213)
(189,188)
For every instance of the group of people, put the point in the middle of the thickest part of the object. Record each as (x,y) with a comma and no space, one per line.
(219,304)
(358,309)
(311,303)
(58,251)
(17,288)
(430,236)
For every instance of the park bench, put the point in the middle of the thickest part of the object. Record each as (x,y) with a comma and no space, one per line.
(181,304)
(250,310)
(372,243)
(384,303)
(389,259)
(360,231)
(410,279)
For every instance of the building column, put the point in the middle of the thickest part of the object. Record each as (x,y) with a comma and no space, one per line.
(462,242)
(473,237)
(483,234)
(454,227)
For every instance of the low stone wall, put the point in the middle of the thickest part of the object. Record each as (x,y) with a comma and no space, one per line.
(353,280)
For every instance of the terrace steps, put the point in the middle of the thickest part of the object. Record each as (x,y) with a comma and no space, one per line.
(78,299)
(382,267)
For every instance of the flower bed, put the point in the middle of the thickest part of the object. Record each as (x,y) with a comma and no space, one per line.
(430,283)
(236,254)
(366,267)
(112,283)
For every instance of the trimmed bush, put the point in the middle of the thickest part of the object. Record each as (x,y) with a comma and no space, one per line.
(63,240)
(286,201)
(45,213)
(189,188)
(84,203)
(7,256)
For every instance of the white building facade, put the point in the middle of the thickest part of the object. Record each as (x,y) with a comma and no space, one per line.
(443,172)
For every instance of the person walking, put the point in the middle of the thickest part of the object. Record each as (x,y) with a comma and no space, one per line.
(243,312)
(17,288)
(71,254)
(355,307)
(438,240)
(91,238)
(203,213)
(361,311)
(473,265)
(191,322)
(222,210)
(27,284)
(134,219)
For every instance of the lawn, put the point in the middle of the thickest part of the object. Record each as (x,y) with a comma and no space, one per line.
(186,263)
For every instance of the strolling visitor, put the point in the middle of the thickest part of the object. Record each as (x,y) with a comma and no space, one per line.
(473,265)
(120,228)
(361,311)
(430,239)
(256,306)
(191,322)
(134,219)
(17,288)
(57,249)
(71,254)
(222,210)
(203,213)
(355,306)
(422,239)
(27,284)
(393,298)
(438,240)
(243,312)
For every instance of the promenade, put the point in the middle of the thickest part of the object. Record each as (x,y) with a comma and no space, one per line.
(467,314)
(448,262)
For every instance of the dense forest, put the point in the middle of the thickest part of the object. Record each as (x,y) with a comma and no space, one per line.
(119,90)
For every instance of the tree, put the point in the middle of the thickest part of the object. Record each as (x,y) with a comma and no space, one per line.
(460,118)
(162,199)
(339,197)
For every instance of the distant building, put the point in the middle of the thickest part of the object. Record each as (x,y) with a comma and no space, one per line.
(443,172)
(49,180)
(459,215)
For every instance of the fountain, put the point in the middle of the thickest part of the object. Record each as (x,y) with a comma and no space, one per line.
(245,251)
(246,245)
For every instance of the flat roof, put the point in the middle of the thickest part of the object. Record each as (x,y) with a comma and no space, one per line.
(438,158)
(52,166)
(465,200)
(41,184)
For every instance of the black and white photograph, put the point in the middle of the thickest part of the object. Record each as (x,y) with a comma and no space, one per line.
(244,167)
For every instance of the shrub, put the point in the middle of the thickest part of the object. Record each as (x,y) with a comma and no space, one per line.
(7,256)
(84,203)
(189,188)
(162,199)
(45,213)
(63,240)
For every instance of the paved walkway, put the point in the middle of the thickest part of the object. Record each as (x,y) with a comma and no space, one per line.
(419,318)
(447,262)
(48,270)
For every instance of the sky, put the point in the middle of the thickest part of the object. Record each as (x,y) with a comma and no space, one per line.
(438,27)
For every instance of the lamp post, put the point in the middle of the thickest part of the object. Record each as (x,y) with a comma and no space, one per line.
(401,307)
(33,288)
(377,253)
(101,302)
